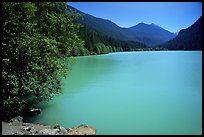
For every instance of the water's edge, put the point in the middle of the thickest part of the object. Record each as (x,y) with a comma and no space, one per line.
(162,93)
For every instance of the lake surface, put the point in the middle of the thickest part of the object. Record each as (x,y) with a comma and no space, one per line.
(157,92)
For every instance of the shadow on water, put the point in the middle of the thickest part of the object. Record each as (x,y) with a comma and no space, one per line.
(85,71)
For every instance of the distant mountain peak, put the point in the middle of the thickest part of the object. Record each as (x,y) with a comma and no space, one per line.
(152,24)
(141,23)
(144,24)
(142,32)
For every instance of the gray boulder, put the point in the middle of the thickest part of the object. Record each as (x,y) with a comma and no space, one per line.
(49,132)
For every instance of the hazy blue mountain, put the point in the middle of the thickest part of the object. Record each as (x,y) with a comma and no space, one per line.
(187,39)
(149,34)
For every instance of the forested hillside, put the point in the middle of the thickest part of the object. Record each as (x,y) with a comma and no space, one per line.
(97,43)
(149,34)
(187,39)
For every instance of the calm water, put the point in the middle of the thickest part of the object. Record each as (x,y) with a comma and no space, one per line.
(131,93)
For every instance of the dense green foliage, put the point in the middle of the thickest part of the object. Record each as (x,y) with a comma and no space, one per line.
(37,40)
(187,39)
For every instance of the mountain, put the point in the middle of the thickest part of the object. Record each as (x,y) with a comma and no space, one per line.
(149,34)
(104,26)
(96,42)
(187,39)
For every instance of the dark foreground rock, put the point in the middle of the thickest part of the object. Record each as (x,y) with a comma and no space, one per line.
(17,127)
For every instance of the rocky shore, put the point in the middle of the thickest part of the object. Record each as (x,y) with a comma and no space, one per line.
(16,126)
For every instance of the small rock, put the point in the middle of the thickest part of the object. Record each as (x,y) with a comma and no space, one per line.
(16,133)
(63,130)
(26,133)
(17,119)
(25,124)
(82,130)
(33,131)
(27,128)
(69,129)
(86,126)
(49,131)
(57,126)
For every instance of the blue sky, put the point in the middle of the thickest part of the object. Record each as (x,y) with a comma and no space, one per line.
(172,16)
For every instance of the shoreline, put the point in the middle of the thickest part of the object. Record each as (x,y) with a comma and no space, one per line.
(16,126)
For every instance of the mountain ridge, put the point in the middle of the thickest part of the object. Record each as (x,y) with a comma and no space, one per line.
(158,34)
(187,39)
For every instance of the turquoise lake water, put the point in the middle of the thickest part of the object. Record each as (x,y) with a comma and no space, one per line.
(152,92)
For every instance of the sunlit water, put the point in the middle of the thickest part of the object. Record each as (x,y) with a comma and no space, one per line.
(131,93)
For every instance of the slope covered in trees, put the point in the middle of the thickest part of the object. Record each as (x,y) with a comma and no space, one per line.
(149,34)
(187,39)
(97,43)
